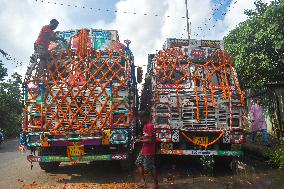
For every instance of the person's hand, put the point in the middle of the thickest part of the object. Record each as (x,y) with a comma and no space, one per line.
(21,148)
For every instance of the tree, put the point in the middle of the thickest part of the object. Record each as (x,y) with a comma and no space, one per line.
(257,45)
(10,103)
(3,71)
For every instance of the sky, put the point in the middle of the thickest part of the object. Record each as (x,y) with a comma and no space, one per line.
(147,23)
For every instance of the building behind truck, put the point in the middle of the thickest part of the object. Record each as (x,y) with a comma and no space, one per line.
(85,108)
(192,91)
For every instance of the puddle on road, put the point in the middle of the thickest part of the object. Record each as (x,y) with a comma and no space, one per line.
(243,176)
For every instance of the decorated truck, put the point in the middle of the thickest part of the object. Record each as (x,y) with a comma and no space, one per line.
(84,107)
(192,91)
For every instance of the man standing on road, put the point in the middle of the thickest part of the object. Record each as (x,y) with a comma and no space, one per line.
(258,122)
(45,36)
(146,158)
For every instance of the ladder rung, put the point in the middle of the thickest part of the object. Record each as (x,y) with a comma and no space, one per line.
(34,114)
(119,99)
(30,101)
(120,111)
(76,139)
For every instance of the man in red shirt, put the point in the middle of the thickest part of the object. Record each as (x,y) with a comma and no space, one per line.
(146,158)
(45,36)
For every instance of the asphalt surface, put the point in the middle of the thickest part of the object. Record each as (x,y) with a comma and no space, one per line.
(174,172)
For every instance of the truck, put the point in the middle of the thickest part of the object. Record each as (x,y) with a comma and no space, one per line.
(191,89)
(84,107)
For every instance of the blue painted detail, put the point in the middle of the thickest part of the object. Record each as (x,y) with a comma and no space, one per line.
(34,114)
(41,89)
(120,112)
(119,136)
(110,90)
(30,142)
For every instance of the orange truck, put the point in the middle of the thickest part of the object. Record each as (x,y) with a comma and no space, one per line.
(84,107)
(192,92)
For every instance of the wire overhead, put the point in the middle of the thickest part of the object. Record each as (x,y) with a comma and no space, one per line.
(9,57)
(202,29)
(109,11)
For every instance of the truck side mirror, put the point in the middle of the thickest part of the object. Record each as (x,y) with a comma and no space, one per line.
(139,74)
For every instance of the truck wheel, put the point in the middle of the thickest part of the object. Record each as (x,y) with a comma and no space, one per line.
(233,164)
(126,165)
(49,166)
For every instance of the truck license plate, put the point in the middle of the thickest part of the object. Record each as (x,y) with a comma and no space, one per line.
(76,150)
(200,140)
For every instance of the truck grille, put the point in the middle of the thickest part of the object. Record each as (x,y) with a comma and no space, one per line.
(180,111)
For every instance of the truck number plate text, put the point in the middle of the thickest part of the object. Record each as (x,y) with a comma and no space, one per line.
(200,140)
(76,150)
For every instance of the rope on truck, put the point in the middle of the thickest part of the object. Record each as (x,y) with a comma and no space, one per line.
(168,63)
(83,70)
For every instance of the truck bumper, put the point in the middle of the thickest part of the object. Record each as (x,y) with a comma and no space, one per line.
(202,152)
(84,158)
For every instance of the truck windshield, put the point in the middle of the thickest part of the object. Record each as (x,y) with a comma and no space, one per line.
(217,80)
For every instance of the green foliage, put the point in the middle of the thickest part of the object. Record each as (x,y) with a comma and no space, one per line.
(275,155)
(257,45)
(3,71)
(10,104)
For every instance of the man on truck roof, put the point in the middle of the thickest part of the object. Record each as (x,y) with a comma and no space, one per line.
(45,36)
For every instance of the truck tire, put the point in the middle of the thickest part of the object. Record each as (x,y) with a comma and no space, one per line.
(47,166)
(126,165)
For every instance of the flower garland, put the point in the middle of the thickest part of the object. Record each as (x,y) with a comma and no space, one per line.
(83,69)
(204,145)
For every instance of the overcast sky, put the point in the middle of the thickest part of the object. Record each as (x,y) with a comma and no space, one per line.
(147,23)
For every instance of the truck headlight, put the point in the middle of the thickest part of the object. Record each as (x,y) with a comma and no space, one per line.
(119,137)
(34,139)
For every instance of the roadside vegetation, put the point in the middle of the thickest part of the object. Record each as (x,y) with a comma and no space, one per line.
(10,102)
(257,46)
(275,155)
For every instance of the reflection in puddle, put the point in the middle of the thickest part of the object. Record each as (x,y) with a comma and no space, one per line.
(243,176)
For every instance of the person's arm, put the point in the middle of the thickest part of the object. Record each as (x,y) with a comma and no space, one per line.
(251,113)
(52,37)
(150,137)
(147,139)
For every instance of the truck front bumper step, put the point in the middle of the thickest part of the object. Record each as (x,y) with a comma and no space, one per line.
(203,152)
(84,158)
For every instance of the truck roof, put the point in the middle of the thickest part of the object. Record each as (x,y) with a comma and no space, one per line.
(174,42)
(98,39)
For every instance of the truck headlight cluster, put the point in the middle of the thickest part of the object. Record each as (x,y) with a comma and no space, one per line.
(119,137)
(34,139)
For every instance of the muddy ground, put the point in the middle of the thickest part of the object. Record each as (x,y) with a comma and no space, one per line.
(174,172)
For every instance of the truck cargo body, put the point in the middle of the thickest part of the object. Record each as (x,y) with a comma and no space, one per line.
(84,108)
(196,103)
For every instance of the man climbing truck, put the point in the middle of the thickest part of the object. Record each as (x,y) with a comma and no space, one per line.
(192,92)
(84,109)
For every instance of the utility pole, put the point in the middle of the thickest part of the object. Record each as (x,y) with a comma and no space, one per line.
(187,20)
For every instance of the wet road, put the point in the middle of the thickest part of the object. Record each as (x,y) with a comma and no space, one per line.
(187,173)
